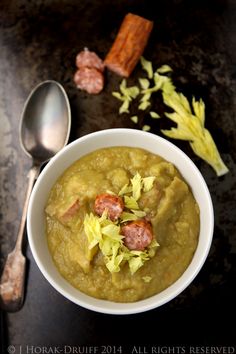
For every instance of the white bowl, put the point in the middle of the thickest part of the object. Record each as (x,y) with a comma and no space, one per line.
(83,146)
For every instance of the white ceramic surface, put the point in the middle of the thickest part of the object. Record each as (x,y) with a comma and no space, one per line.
(83,146)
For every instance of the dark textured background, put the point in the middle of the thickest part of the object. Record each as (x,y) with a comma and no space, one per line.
(39,41)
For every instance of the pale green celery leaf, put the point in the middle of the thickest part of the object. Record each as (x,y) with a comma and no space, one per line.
(106,246)
(144,105)
(134,119)
(152,248)
(125,189)
(168,86)
(113,265)
(199,110)
(159,79)
(137,260)
(92,229)
(104,217)
(139,213)
(152,252)
(147,66)
(185,103)
(123,86)
(153,244)
(176,133)
(93,244)
(175,117)
(154,115)
(125,216)
(194,126)
(114,261)
(135,263)
(190,131)
(136,182)
(118,96)
(148,183)
(108,222)
(132,91)
(144,83)
(164,69)
(147,279)
(124,108)
(112,231)
(123,83)
(146,128)
(188,126)
(146,96)
(153,89)
(178,102)
(175,101)
(126,252)
(142,254)
(130,203)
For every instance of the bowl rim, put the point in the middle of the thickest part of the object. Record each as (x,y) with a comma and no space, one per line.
(110,307)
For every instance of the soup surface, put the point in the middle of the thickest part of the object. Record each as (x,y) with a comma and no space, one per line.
(168,206)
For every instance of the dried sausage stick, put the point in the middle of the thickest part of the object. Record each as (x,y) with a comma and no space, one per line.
(129,44)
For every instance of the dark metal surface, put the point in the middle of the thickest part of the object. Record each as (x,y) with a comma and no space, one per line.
(38,41)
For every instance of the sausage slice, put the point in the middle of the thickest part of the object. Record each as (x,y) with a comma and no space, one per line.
(112,203)
(70,211)
(87,59)
(89,79)
(138,234)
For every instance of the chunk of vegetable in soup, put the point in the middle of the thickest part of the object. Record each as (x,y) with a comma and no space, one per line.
(147,191)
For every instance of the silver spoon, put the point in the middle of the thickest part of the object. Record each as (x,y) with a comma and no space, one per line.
(44,130)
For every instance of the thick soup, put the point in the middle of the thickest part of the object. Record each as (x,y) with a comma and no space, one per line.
(122,224)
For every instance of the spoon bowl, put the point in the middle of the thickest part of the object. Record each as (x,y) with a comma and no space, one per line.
(45,121)
(44,130)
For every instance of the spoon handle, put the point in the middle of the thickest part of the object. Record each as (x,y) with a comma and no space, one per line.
(32,176)
(13,276)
